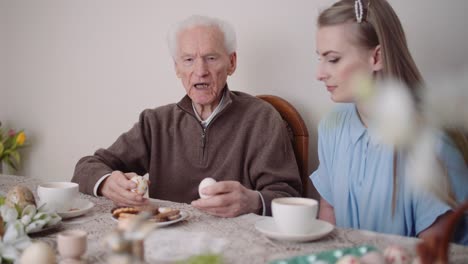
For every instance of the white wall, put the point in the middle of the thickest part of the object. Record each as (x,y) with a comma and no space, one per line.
(76,74)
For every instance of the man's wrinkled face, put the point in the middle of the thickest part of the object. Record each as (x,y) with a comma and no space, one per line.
(203,63)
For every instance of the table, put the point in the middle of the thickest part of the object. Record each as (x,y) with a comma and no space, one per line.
(242,243)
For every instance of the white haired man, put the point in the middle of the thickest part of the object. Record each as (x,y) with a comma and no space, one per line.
(233,137)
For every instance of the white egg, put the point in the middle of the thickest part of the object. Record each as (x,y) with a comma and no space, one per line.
(38,252)
(142,184)
(204,183)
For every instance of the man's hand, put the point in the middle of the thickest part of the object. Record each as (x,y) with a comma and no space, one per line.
(229,199)
(117,188)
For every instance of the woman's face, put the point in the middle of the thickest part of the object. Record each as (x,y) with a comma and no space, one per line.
(341,59)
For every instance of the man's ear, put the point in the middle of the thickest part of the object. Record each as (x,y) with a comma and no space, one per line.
(176,69)
(377,59)
(232,63)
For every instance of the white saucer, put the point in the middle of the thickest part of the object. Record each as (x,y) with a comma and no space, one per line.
(80,207)
(268,227)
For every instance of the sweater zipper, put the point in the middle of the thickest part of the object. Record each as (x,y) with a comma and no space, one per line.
(203,135)
(203,143)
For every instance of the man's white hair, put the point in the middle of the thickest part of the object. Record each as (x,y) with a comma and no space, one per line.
(194,21)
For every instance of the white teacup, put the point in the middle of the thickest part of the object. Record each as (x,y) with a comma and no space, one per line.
(294,215)
(58,196)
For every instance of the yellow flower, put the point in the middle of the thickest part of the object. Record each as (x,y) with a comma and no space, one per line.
(20,139)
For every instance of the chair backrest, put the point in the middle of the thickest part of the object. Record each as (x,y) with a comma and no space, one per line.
(299,132)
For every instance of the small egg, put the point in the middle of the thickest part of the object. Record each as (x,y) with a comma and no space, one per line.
(373,257)
(39,253)
(397,255)
(205,183)
(142,184)
(348,259)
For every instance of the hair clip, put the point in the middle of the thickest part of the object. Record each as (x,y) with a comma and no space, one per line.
(358,9)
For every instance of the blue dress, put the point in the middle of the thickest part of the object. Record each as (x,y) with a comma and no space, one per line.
(355,176)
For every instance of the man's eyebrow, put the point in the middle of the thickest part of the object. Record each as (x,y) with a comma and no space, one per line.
(210,54)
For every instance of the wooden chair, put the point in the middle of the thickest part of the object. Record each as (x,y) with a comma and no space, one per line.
(298,131)
(436,247)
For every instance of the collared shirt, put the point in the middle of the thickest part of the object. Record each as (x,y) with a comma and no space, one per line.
(221,105)
(355,176)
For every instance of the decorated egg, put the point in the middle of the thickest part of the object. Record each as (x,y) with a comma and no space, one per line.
(373,257)
(205,183)
(348,259)
(142,184)
(39,253)
(397,255)
(20,196)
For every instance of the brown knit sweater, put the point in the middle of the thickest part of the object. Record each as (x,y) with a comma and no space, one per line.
(247,142)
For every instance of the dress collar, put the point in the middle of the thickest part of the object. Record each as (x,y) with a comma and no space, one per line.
(357,128)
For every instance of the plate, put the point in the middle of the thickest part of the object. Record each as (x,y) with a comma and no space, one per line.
(80,207)
(268,227)
(183,215)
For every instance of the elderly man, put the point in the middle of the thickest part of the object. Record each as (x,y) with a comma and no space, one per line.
(233,137)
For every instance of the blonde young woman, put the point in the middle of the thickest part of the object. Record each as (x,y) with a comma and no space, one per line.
(356,174)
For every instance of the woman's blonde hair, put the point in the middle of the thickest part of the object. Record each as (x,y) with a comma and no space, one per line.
(381,26)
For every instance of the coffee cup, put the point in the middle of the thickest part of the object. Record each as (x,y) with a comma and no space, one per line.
(57,196)
(294,215)
(71,244)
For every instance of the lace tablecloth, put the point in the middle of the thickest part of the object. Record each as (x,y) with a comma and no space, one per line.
(235,238)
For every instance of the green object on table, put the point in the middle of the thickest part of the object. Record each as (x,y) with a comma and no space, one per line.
(329,257)
(203,259)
